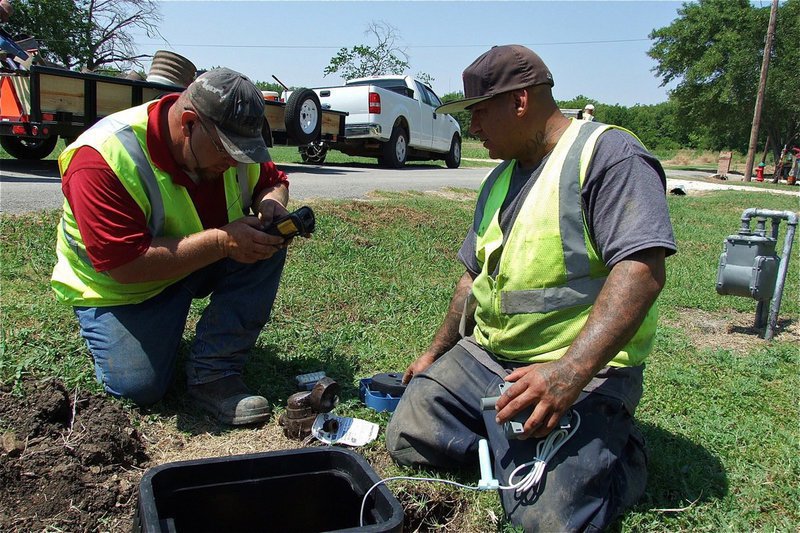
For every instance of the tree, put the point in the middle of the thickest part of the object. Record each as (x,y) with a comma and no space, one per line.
(425,78)
(88,34)
(714,50)
(269,86)
(55,24)
(464,118)
(386,57)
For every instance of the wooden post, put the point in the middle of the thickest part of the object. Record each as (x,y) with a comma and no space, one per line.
(724,165)
(762,83)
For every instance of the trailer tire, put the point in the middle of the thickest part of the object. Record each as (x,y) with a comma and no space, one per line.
(453,157)
(23,148)
(314,152)
(394,152)
(303,118)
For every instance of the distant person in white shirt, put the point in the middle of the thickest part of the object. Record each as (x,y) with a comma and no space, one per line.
(6,10)
(588,112)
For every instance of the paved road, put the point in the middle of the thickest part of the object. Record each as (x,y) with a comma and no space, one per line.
(30,186)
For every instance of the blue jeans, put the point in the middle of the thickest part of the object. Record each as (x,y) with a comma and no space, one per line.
(600,471)
(134,347)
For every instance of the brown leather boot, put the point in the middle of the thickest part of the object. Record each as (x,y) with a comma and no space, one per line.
(230,401)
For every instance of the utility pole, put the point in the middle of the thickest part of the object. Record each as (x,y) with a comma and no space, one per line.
(762,84)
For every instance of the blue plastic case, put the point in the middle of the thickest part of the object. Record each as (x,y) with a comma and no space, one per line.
(375,399)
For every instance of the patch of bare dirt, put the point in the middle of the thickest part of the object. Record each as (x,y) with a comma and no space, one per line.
(68,462)
(368,216)
(734,330)
(428,510)
(73,461)
(458,195)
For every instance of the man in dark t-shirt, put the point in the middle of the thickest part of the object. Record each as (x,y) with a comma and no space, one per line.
(564,261)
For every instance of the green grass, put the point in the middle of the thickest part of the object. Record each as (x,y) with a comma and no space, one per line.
(367,292)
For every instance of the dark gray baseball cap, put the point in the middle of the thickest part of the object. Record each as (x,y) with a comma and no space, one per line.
(235,106)
(500,70)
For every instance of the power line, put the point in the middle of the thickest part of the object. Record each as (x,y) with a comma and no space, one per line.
(330,47)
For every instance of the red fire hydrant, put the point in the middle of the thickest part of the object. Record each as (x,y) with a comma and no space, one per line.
(760,171)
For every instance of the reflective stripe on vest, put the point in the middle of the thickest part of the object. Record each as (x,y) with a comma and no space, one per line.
(490,201)
(128,139)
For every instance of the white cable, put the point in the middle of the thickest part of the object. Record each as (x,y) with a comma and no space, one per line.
(364,501)
(545,450)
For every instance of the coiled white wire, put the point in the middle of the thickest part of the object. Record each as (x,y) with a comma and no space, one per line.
(545,450)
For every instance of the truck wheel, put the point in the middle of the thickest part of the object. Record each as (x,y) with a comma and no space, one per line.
(314,152)
(395,151)
(303,117)
(23,148)
(453,157)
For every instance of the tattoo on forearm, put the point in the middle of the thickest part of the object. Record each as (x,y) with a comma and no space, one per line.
(628,294)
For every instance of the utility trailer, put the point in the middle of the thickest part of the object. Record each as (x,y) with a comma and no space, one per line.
(39,105)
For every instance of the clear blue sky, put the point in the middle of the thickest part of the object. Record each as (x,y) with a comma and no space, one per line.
(595,48)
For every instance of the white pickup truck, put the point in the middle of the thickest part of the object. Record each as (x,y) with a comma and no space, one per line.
(392,118)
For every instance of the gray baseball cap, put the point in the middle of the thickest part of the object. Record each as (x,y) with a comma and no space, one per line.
(236,108)
(500,70)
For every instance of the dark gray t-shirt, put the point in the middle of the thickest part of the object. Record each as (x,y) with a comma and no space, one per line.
(623,198)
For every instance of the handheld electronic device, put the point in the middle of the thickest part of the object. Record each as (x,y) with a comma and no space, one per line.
(514,428)
(300,222)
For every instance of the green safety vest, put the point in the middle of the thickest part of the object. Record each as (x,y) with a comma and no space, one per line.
(549,271)
(122,141)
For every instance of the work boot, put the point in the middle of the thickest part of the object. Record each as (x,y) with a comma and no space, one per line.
(230,401)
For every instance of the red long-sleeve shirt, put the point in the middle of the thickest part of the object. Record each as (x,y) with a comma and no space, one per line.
(112,224)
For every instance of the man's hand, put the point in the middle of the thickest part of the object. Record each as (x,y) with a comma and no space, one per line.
(551,388)
(244,240)
(421,363)
(269,210)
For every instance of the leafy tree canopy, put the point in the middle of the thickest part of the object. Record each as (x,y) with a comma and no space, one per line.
(463,117)
(87,34)
(714,51)
(269,86)
(386,57)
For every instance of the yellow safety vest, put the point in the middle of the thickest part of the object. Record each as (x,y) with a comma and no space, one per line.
(121,139)
(549,271)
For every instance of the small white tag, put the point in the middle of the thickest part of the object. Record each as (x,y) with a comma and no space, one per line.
(332,429)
